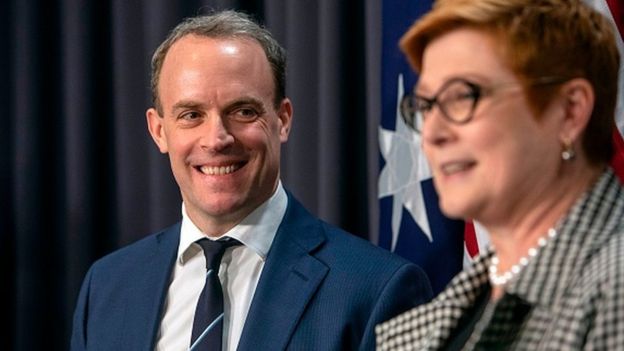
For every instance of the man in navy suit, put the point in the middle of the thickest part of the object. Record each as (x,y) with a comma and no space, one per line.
(296,283)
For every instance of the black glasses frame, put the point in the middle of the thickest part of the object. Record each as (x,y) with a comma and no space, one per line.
(413,107)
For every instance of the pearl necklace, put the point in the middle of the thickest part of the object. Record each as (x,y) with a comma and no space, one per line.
(502,279)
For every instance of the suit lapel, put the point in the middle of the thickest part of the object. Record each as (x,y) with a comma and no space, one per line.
(290,278)
(145,307)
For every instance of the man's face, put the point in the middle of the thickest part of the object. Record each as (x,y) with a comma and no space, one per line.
(220,128)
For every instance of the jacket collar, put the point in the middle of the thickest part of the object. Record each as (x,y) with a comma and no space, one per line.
(290,278)
(578,238)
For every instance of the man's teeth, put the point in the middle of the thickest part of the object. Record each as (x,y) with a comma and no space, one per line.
(455,167)
(218,170)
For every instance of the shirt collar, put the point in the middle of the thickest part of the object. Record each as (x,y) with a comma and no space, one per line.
(256,231)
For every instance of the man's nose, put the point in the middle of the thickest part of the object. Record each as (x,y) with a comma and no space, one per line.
(216,135)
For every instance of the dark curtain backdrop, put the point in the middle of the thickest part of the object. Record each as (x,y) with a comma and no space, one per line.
(80,176)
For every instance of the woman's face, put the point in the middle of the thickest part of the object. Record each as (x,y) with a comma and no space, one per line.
(490,166)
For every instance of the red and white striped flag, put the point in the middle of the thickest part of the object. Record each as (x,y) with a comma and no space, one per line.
(614,9)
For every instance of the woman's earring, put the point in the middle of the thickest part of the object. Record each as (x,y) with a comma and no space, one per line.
(568,153)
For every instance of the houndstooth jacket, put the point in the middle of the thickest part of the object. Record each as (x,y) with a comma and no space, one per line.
(569,297)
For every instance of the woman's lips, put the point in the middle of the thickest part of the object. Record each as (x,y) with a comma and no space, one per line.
(450,168)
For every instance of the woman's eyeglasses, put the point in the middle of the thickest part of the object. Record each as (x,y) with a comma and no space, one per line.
(457,100)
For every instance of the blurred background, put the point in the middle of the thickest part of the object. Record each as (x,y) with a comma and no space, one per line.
(80,176)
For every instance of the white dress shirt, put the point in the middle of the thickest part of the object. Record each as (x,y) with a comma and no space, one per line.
(239,273)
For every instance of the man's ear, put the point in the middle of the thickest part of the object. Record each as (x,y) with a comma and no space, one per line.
(285,114)
(156,129)
(578,98)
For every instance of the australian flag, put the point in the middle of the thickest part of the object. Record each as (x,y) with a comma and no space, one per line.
(411,223)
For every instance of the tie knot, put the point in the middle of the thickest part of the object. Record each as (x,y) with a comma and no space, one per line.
(214,250)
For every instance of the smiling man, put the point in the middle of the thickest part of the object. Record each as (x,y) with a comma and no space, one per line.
(219,123)
(284,280)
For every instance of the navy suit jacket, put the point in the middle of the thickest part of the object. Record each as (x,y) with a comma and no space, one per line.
(321,289)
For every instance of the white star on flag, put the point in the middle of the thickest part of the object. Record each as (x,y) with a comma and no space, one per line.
(406,166)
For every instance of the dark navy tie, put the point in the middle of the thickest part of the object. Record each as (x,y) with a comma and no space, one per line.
(210,303)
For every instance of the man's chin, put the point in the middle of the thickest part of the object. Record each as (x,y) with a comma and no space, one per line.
(215,204)
(224,208)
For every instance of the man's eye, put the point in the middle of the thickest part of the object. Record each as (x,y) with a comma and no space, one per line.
(245,114)
(189,116)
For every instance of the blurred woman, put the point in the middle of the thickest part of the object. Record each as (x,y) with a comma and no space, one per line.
(515,106)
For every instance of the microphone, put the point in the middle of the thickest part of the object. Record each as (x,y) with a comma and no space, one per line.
(205,332)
